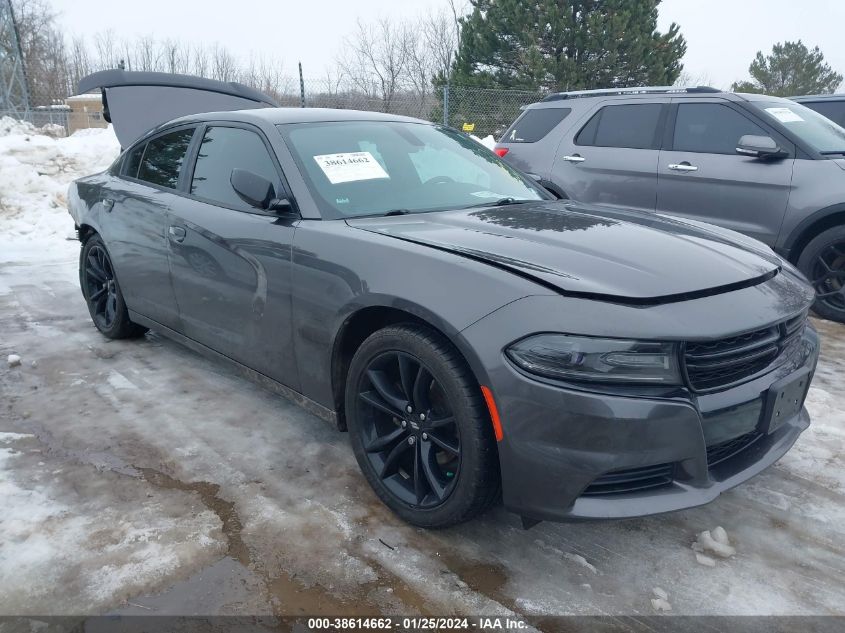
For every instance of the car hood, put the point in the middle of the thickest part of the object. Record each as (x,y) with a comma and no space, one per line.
(578,249)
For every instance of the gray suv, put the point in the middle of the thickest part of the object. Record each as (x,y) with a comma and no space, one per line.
(764,166)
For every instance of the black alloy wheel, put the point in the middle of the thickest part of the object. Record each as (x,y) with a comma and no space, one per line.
(828,276)
(822,261)
(409,430)
(100,287)
(102,292)
(420,428)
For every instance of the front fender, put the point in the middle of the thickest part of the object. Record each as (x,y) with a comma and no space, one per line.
(340,270)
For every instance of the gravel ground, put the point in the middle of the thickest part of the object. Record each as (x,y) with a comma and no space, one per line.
(138,477)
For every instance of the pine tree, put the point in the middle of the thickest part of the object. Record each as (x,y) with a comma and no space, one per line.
(566,45)
(792,69)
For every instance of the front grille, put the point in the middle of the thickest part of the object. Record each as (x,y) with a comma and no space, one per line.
(715,364)
(718,453)
(631,480)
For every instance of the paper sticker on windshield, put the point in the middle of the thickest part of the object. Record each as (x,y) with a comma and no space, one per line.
(350,166)
(487,194)
(784,115)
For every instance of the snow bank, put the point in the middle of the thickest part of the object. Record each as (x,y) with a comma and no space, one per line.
(35,171)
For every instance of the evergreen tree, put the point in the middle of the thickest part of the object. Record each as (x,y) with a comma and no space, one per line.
(566,45)
(792,69)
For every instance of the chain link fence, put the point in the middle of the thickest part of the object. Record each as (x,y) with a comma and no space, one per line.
(479,111)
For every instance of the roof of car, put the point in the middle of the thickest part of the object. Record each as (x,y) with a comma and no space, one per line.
(569,99)
(276,116)
(834,97)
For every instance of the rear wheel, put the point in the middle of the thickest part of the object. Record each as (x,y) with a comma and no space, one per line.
(823,262)
(102,292)
(419,429)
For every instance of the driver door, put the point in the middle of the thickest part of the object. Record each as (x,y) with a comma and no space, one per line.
(701,177)
(230,262)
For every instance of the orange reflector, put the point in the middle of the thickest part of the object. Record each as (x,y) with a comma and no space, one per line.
(501,151)
(494,412)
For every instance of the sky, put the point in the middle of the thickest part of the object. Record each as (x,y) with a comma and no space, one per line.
(722,35)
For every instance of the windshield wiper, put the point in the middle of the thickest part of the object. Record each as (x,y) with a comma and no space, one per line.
(501,202)
(833,152)
(395,212)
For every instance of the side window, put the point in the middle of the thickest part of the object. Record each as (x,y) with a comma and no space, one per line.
(133,161)
(711,128)
(222,150)
(534,124)
(633,126)
(833,110)
(164,157)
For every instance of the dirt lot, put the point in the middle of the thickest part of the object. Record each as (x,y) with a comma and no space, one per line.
(138,477)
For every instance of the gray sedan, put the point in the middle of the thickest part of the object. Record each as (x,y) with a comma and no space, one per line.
(476,338)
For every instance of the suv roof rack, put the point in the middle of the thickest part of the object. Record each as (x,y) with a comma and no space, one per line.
(575,94)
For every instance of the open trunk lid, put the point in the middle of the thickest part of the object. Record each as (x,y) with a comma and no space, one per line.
(135,102)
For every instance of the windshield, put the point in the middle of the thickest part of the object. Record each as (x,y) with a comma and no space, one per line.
(358,168)
(821,133)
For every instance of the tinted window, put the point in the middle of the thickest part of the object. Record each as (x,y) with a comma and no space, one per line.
(711,128)
(164,157)
(532,125)
(833,110)
(222,150)
(357,168)
(133,161)
(633,126)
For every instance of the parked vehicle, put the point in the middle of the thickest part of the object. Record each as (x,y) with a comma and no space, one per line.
(830,106)
(760,165)
(473,335)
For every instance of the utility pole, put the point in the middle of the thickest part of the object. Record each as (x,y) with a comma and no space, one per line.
(14,96)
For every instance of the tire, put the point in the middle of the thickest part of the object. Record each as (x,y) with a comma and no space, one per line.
(102,292)
(823,263)
(425,483)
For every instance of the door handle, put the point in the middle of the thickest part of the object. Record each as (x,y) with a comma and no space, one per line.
(108,204)
(685,166)
(575,158)
(177,233)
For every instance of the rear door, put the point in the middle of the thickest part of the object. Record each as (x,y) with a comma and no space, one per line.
(136,219)
(231,263)
(611,158)
(701,176)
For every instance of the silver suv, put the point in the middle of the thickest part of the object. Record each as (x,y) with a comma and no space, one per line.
(764,166)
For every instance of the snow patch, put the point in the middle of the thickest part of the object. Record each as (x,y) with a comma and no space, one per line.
(577,558)
(716,542)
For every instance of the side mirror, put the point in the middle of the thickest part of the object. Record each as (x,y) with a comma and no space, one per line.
(257,191)
(759,147)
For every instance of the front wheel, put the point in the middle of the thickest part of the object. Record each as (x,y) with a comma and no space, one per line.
(419,428)
(823,262)
(102,292)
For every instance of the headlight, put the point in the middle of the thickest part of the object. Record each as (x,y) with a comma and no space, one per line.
(597,359)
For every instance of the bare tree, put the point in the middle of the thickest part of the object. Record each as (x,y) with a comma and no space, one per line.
(224,67)
(106,50)
(199,65)
(441,33)
(376,60)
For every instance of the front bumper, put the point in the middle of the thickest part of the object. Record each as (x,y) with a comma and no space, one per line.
(561,443)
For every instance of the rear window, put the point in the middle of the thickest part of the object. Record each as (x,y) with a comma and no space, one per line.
(164,157)
(532,125)
(833,110)
(632,126)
